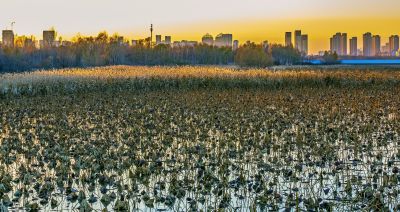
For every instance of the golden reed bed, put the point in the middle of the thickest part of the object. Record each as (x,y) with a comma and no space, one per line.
(200,72)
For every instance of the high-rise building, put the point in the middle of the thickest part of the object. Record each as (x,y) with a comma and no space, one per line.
(338,43)
(393,45)
(343,43)
(367,44)
(353,46)
(235,45)
(49,36)
(223,40)
(304,44)
(297,39)
(288,39)
(385,50)
(168,40)
(8,38)
(158,39)
(207,39)
(335,43)
(376,45)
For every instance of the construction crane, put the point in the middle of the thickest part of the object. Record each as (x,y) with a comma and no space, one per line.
(12,25)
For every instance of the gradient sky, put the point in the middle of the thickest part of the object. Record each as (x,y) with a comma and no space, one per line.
(254,20)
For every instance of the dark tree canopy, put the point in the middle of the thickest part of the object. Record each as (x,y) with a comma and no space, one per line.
(104,49)
(330,57)
(285,55)
(253,55)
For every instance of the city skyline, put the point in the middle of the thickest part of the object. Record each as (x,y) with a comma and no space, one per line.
(316,43)
(372,45)
(254,20)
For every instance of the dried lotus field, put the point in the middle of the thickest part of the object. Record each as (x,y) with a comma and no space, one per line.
(200,139)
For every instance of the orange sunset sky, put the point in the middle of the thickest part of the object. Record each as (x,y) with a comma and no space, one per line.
(255,20)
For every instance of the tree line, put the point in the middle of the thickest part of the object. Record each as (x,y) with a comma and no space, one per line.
(102,50)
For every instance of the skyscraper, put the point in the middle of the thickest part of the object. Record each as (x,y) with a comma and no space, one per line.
(297,39)
(343,43)
(8,38)
(304,44)
(393,45)
(223,40)
(207,39)
(335,43)
(49,36)
(367,44)
(353,46)
(288,39)
(385,50)
(158,39)
(168,40)
(376,45)
(338,43)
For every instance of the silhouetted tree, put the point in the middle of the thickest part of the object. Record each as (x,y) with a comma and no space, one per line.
(330,58)
(101,50)
(285,55)
(252,55)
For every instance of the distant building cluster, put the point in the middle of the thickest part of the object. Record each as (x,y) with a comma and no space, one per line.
(372,45)
(300,41)
(48,41)
(339,42)
(184,43)
(221,40)
(166,41)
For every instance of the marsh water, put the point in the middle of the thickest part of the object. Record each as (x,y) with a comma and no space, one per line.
(240,150)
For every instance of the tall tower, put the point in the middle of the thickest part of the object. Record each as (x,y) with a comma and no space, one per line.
(343,43)
(367,44)
(49,36)
(297,39)
(353,46)
(8,38)
(151,35)
(376,45)
(339,43)
(393,45)
(304,44)
(288,39)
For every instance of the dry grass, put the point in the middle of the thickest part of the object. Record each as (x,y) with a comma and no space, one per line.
(189,77)
(129,72)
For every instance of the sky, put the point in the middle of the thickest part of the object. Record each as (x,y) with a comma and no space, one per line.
(255,20)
